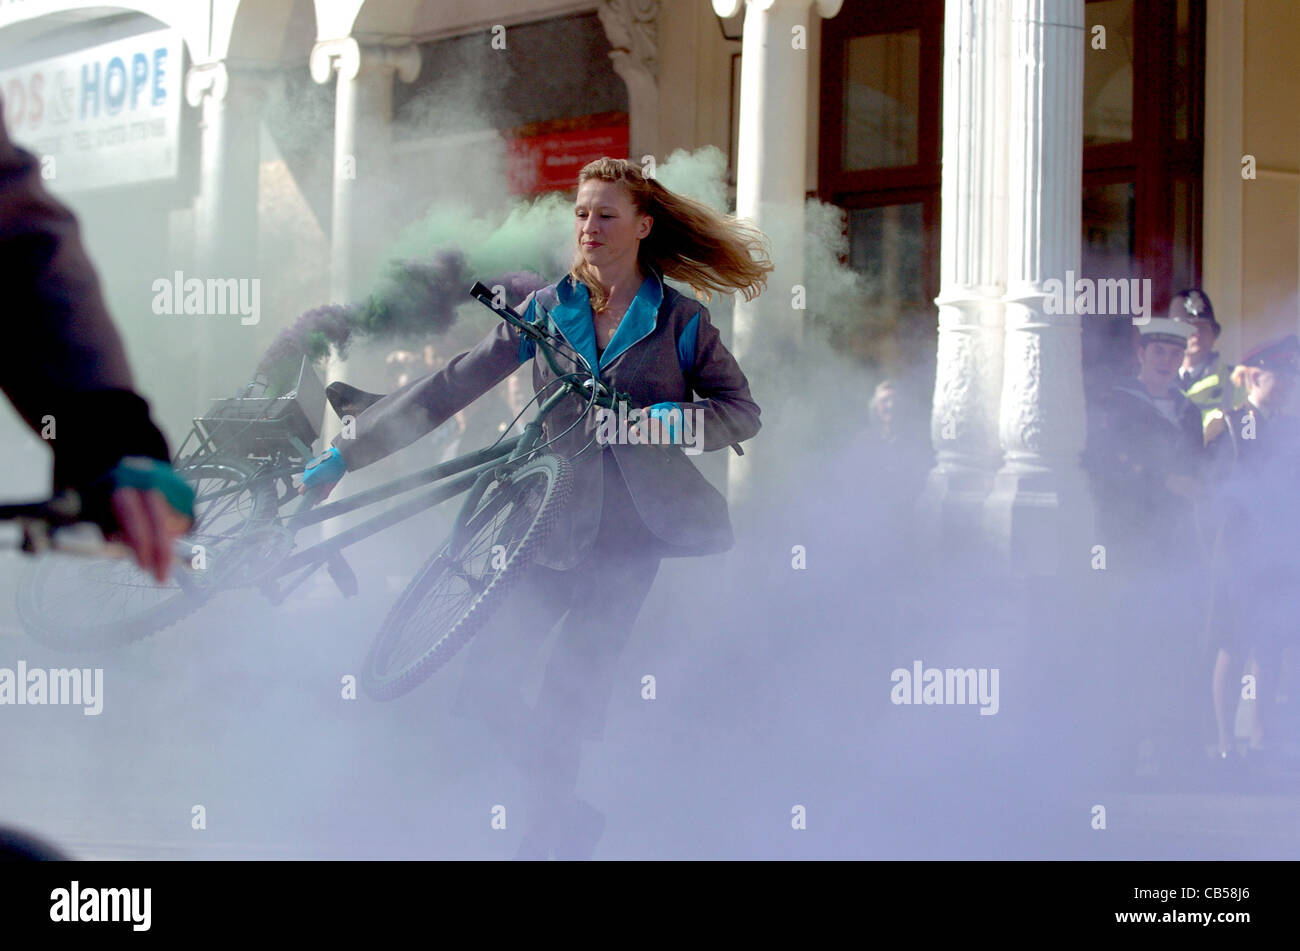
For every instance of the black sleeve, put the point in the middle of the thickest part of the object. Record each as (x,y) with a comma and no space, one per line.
(64,361)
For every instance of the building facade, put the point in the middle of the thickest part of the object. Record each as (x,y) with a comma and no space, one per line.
(978,149)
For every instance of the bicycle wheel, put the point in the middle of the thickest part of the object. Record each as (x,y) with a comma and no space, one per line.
(86,604)
(455,592)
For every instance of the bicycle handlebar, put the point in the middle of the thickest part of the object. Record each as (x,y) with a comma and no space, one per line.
(605,395)
(52,524)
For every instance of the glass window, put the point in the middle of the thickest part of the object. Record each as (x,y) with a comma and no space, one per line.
(1109,232)
(1183,71)
(882,96)
(1108,74)
(1184,236)
(1109,240)
(885,245)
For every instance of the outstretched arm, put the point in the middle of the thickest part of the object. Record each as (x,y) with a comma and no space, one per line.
(423,405)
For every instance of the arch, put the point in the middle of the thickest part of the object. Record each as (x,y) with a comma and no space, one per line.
(377,19)
(267,31)
(24,22)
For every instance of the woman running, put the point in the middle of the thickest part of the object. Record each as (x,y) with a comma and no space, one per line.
(633,504)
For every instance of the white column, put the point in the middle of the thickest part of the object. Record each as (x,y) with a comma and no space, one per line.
(972,261)
(226,227)
(363,114)
(771,177)
(1039,511)
(225,219)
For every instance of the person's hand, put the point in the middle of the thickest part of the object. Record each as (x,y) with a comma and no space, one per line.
(324,472)
(152,507)
(1186,486)
(669,416)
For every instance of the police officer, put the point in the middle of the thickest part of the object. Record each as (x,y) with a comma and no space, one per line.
(1256,452)
(1204,377)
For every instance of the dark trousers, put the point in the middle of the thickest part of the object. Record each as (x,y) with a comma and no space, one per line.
(602,597)
(1156,633)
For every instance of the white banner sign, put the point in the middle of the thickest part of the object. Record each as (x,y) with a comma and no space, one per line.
(103,116)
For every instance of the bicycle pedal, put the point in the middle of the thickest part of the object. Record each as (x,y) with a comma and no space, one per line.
(344,577)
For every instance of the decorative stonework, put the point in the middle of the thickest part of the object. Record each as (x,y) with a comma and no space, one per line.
(632,27)
(206,79)
(1039,505)
(349,58)
(968,372)
(1009,384)
(969,351)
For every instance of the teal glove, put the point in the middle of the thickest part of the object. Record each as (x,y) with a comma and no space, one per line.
(143,473)
(670,420)
(325,469)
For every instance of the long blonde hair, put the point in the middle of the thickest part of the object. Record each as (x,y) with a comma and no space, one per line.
(688,241)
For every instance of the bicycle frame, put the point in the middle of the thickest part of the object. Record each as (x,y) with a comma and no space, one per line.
(472,472)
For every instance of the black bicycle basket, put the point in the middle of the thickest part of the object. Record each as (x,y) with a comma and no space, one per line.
(249,425)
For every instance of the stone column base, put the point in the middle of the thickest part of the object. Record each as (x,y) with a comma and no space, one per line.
(1040,520)
(950,512)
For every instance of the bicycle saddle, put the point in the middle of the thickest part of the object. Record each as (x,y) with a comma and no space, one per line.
(348,400)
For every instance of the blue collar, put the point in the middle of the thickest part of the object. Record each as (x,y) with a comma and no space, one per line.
(574,318)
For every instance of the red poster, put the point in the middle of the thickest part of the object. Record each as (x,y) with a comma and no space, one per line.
(548,162)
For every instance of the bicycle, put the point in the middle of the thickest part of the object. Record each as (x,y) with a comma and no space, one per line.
(245,450)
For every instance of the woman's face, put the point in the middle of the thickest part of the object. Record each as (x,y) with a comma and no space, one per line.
(606,224)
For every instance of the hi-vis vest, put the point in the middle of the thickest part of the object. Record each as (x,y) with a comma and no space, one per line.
(1214,394)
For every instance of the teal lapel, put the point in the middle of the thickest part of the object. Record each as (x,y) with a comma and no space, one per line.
(639,321)
(572,315)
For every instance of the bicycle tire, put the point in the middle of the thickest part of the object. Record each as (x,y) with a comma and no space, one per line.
(431,644)
(71,578)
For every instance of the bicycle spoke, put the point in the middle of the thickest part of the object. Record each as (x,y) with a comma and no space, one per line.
(76,602)
(463,579)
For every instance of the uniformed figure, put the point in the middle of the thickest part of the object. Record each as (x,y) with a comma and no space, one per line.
(1205,377)
(1146,460)
(1256,452)
(1145,452)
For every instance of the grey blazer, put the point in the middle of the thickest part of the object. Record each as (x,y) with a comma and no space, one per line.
(665,350)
